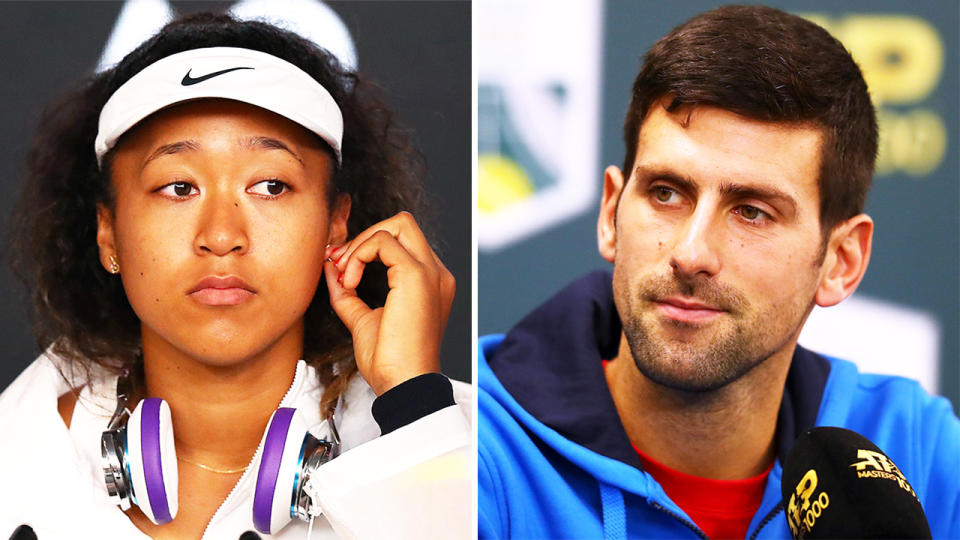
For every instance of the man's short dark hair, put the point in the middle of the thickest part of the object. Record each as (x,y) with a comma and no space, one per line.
(768,65)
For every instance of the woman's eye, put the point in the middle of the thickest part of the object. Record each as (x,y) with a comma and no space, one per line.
(178,190)
(270,188)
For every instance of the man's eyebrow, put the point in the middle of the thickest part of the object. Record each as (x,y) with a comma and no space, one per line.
(684,182)
(763,193)
(727,189)
(268,143)
(172,148)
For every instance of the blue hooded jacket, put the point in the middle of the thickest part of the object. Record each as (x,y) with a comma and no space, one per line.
(555,462)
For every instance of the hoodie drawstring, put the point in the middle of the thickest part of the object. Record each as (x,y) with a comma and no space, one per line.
(614,513)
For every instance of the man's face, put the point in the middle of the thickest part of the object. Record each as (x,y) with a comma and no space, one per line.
(716,243)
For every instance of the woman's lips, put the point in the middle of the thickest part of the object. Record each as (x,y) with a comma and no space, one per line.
(221,291)
(687,311)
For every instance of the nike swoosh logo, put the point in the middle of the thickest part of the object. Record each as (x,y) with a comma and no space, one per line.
(188,80)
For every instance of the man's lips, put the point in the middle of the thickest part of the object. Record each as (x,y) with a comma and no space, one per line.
(687,310)
(221,291)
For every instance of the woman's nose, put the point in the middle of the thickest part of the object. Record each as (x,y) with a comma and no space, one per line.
(222,228)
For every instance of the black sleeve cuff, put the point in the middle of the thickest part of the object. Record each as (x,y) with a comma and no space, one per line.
(411,400)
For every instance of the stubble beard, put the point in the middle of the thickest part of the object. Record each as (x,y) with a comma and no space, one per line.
(702,358)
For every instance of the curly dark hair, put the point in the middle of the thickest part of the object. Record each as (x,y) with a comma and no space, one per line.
(769,65)
(81,312)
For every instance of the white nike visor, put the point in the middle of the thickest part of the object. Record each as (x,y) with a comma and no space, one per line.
(233,73)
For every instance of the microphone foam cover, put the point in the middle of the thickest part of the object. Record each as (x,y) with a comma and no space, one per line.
(838,484)
(24,532)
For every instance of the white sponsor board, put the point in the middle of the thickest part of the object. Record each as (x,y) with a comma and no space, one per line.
(539,65)
(879,336)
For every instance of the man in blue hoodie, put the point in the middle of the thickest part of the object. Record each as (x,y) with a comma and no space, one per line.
(661,401)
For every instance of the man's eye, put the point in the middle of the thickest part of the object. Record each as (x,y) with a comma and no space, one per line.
(751,213)
(178,190)
(663,193)
(270,188)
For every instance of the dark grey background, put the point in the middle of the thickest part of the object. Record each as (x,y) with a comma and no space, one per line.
(418,51)
(916,251)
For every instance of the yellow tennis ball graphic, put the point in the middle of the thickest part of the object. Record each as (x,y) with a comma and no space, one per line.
(500,182)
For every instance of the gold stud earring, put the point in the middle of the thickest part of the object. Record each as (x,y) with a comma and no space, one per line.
(114,265)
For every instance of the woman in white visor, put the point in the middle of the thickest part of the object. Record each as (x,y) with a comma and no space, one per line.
(241,317)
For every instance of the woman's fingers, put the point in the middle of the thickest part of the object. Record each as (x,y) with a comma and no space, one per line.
(382,246)
(345,302)
(403,227)
(402,339)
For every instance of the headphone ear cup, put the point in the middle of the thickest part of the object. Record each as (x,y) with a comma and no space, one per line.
(277,476)
(152,460)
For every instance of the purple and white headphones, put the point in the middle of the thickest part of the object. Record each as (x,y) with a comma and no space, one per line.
(140,462)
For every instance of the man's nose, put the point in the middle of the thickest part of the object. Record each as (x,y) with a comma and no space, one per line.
(695,251)
(222,228)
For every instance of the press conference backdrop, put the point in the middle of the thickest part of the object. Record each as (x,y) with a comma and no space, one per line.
(554,85)
(418,52)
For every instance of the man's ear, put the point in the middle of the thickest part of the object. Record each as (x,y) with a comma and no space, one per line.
(607,221)
(106,239)
(339,214)
(846,260)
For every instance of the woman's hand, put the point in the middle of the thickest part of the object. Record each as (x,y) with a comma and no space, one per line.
(402,339)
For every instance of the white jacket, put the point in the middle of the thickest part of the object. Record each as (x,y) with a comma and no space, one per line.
(414,482)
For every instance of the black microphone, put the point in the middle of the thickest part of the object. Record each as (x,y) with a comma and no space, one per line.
(838,484)
(24,532)
(249,535)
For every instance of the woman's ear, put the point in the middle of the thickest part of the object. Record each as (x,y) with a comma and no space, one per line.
(846,260)
(339,215)
(106,239)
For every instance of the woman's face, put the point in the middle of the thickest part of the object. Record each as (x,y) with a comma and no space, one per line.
(219,228)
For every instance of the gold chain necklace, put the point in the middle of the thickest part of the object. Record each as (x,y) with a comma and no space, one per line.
(212,469)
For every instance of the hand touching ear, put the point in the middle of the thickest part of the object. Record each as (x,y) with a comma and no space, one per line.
(402,339)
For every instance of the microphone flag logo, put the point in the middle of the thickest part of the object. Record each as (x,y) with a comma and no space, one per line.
(877,465)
